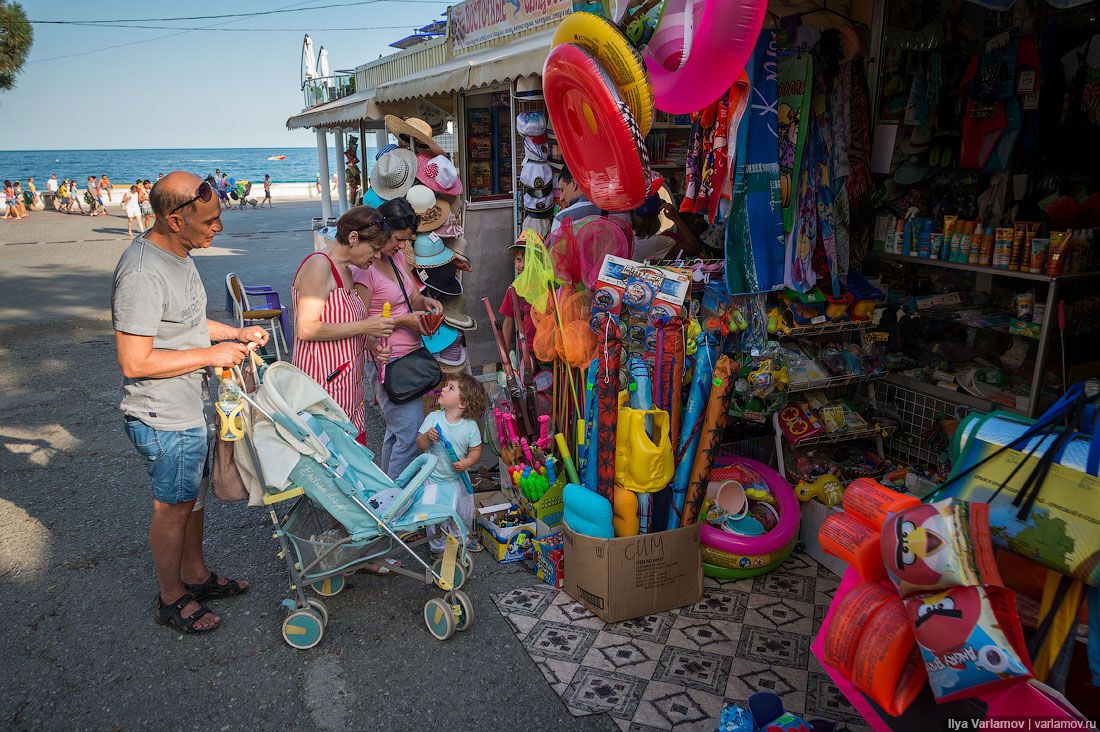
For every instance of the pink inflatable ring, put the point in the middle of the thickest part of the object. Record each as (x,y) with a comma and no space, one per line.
(773,541)
(722,41)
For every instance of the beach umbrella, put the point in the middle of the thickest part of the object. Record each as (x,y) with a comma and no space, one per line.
(322,66)
(309,71)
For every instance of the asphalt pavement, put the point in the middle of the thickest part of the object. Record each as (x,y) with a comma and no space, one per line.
(81,650)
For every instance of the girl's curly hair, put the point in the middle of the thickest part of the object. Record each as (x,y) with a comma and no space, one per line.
(472,394)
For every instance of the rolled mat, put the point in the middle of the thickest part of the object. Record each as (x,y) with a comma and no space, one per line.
(714,424)
(610,352)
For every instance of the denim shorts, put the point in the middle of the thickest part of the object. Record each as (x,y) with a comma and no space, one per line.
(178,461)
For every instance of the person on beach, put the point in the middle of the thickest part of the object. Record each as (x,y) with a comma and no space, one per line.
(267,192)
(105,187)
(377,285)
(165,346)
(74,196)
(223,191)
(131,202)
(91,197)
(14,205)
(144,187)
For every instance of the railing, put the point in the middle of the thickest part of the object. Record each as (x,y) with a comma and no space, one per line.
(326,89)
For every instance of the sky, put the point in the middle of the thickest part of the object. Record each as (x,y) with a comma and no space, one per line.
(228,88)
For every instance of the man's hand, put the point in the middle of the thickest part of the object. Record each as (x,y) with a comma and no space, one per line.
(227,354)
(252,334)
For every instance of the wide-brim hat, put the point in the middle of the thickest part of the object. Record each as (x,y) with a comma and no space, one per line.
(453,355)
(455,315)
(438,173)
(450,229)
(421,198)
(441,279)
(443,337)
(413,127)
(456,369)
(394,174)
(430,251)
(528,88)
(434,217)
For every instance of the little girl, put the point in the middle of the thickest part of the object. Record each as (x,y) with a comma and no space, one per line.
(462,401)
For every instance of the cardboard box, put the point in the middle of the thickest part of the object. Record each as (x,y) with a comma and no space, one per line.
(813,515)
(631,576)
(548,560)
(548,511)
(512,544)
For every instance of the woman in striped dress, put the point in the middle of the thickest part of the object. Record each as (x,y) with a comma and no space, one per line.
(331,327)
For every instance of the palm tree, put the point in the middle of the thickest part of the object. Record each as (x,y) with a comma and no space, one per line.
(16,37)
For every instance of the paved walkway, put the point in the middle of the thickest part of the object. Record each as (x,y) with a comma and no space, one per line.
(80,647)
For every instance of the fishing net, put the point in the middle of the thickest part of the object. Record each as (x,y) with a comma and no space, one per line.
(571,341)
(578,247)
(532,284)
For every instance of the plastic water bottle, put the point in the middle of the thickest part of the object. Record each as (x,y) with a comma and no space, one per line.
(229,409)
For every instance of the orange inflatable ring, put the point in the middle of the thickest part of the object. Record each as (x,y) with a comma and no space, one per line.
(618,58)
(600,141)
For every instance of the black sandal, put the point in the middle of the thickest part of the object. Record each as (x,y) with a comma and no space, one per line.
(211,590)
(171,615)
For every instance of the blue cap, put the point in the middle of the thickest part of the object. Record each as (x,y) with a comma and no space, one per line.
(383,150)
(441,339)
(372,199)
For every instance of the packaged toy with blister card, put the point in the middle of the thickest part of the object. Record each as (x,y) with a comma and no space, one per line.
(639,295)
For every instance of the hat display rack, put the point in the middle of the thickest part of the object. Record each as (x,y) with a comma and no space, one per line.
(533,149)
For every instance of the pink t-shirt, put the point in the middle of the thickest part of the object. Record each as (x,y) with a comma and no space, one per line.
(383,289)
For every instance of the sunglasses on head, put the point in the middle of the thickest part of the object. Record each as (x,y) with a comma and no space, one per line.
(203,194)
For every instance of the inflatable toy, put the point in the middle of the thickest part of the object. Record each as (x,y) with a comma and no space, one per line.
(770,542)
(826,490)
(599,137)
(714,424)
(642,464)
(617,57)
(588,451)
(691,428)
(587,512)
(728,573)
(670,44)
(722,40)
(734,560)
(624,508)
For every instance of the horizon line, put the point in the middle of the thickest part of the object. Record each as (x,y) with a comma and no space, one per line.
(206,147)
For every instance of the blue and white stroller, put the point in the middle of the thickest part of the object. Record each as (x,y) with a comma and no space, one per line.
(299,445)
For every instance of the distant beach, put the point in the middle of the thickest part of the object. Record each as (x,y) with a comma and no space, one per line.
(125,166)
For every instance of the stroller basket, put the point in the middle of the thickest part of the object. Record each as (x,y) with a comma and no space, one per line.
(323,546)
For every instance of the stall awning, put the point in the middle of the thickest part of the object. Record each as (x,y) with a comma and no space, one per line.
(519,58)
(349,109)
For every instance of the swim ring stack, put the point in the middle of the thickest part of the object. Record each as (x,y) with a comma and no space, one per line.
(601,94)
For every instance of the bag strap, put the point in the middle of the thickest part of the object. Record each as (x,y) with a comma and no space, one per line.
(331,264)
(400,282)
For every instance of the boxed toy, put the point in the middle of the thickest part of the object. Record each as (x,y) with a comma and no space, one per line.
(548,560)
(503,530)
(548,510)
(639,295)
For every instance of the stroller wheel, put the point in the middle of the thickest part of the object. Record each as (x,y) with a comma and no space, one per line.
(440,618)
(320,608)
(468,564)
(459,578)
(329,586)
(303,629)
(466,617)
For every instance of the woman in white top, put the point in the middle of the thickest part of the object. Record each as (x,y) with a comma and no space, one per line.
(132,202)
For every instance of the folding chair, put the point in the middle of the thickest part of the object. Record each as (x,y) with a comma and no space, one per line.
(271,319)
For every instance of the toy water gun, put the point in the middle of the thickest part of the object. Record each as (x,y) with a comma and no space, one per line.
(383,342)
(454,457)
(544,432)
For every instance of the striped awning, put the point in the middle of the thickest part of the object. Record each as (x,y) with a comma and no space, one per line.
(339,113)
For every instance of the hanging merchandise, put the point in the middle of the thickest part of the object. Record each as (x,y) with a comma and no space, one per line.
(536,176)
(792,111)
(722,37)
(607,398)
(599,136)
(538,272)
(691,430)
(578,247)
(710,434)
(754,229)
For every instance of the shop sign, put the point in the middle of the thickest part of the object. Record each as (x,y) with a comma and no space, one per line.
(477,21)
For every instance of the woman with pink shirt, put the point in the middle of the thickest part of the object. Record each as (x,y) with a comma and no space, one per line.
(377,285)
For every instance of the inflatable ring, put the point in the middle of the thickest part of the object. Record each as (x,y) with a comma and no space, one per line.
(719,558)
(723,39)
(775,540)
(618,58)
(599,139)
(725,573)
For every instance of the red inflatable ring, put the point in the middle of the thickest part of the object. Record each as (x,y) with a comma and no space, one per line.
(599,139)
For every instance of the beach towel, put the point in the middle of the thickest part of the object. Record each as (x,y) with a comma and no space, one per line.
(754,229)
(795,75)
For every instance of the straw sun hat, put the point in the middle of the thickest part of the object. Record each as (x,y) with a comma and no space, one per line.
(413,127)
(394,174)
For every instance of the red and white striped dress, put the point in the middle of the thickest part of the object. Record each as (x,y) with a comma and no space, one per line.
(321,358)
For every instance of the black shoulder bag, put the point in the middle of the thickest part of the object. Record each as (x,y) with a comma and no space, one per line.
(414,374)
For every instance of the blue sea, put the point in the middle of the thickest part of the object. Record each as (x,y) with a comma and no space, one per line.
(121,166)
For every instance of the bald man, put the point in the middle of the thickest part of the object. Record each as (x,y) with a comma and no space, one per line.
(165,349)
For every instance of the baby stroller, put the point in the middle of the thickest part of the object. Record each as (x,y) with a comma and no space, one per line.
(299,446)
(241,193)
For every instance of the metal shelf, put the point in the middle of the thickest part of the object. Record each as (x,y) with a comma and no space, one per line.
(832,381)
(976,268)
(948,395)
(843,436)
(842,326)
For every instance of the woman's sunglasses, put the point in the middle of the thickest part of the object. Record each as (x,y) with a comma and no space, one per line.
(202,194)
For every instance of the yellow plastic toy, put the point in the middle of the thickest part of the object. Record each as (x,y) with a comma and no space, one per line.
(777,322)
(761,495)
(826,490)
(642,464)
(693,330)
(624,507)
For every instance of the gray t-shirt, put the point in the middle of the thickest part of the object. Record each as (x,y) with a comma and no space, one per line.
(159,294)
